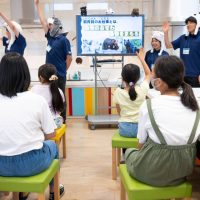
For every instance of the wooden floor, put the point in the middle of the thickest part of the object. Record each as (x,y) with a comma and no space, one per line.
(86,173)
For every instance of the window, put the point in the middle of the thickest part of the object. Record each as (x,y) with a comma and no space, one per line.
(97,6)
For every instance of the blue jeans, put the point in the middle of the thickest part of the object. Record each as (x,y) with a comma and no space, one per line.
(29,163)
(128,129)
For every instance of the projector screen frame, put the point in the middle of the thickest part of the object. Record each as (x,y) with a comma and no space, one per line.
(79,36)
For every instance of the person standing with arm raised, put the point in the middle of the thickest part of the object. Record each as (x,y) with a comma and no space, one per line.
(58,51)
(14,40)
(189,45)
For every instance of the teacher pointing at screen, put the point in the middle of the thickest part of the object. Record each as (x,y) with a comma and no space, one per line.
(189,45)
(58,51)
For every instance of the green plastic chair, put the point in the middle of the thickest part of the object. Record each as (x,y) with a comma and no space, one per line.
(119,142)
(36,184)
(140,191)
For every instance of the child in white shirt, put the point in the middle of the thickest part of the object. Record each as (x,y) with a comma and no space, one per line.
(50,91)
(168,129)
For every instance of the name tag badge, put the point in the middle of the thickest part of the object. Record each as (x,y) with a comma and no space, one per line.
(48,48)
(186,51)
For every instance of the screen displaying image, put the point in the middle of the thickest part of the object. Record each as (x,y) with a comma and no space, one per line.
(109,34)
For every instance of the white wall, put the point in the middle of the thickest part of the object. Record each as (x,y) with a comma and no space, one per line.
(35,52)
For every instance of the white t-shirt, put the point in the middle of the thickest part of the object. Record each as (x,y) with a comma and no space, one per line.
(44,90)
(174,120)
(24,119)
(130,109)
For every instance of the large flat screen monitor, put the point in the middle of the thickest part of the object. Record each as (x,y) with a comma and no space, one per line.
(109,34)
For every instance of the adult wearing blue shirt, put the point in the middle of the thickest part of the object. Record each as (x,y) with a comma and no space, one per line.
(15,41)
(189,45)
(58,51)
(157,43)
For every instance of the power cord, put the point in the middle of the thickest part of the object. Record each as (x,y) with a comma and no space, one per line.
(98,74)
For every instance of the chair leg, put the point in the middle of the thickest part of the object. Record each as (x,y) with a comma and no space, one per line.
(118,156)
(15,195)
(56,186)
(122,192)
(64,145)
(58,147)
(114,164)
(41,196)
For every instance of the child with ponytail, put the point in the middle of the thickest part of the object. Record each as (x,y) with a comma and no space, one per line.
(168,129)
(129,99)
(50,91)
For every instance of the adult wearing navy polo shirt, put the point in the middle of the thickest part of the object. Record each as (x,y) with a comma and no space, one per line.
(189,45)
(58,51)
(157,43)
(15,41)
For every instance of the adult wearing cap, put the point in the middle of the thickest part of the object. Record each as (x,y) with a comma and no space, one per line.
(14,41)
(158,46)
(189,45)
(58,51)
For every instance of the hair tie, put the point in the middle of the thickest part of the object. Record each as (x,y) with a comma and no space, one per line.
(131,84)
(53,78)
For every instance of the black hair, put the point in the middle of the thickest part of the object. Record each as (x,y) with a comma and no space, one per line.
(171,70)
(191,19)
(135,12)
(79,60)
(131,74)
(46,71)
(14,75)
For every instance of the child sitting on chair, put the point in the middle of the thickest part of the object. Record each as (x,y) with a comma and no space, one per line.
(168,129)
(26,123)
(50,91)
(129,99)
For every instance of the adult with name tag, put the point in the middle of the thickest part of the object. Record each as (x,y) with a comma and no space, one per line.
(189,45)
(58,50)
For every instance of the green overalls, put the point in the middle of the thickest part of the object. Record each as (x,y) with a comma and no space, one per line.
(162,164)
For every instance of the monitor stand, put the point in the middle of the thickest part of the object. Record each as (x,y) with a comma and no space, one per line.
(96,119)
